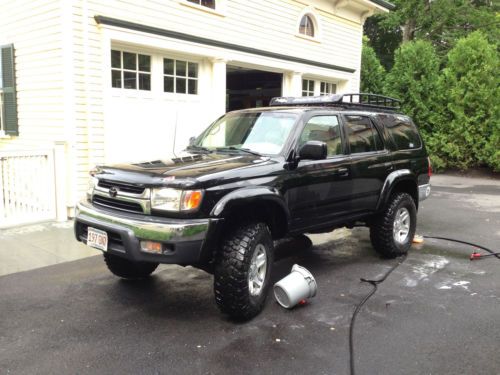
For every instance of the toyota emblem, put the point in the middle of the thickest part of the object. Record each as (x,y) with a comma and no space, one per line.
(113,191)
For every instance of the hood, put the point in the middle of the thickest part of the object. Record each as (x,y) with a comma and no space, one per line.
(186,170)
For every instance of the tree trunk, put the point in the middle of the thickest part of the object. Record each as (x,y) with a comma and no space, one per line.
(409,30)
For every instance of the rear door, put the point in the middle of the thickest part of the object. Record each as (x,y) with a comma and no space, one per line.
(319,190)
(370,161)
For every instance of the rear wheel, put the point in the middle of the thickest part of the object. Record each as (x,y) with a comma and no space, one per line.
(128,269)
(242,271)
(393,230)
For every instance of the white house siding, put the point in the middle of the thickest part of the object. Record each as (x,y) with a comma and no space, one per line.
(34,27)
(269,25)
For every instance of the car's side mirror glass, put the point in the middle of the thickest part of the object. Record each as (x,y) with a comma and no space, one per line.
(313,150)
(191,140)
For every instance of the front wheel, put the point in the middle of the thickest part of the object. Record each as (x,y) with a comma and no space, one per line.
(243,270)
(393,230)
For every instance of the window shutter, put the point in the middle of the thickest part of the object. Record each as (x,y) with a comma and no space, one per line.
(8,87)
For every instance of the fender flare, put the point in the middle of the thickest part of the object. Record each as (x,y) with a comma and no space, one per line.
(391,180)
(249,195)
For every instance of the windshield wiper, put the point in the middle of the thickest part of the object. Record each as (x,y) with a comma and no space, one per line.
(232,148)
(198,148)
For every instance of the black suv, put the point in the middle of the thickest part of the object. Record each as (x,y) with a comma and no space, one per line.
(302,165)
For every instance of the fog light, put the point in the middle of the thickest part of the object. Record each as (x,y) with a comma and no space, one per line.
(151,247)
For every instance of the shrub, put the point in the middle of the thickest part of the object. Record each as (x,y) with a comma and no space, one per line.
(468,134)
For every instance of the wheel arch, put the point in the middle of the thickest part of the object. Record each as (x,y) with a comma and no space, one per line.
(402,180)
(255,203)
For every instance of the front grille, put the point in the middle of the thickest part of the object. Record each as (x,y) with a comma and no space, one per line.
(122,186)
(116,204)
(115,241)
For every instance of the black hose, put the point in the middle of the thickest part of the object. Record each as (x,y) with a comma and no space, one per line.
(374,284)
(493,253)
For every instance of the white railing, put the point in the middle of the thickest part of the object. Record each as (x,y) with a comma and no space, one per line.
(27,187)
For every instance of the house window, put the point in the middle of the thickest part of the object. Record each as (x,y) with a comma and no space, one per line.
(328,88)
(180,77)
(307,26)
(204,3)
(1,109)
(130,70)
(307,87)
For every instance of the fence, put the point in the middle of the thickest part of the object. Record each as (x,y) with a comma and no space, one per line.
(27,187)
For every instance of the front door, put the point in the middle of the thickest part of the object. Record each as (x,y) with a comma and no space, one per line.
(319,190)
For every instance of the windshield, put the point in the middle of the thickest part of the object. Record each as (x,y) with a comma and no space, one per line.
(261,132)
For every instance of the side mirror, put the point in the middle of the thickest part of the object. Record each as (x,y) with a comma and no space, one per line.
(191,140)
(313,150)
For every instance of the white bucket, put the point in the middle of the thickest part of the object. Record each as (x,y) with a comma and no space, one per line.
(295,287)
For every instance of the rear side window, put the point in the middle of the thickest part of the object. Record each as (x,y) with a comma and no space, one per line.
(363,136)
(403,131)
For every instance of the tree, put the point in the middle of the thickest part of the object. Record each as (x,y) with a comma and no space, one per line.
(469,132)
(372,72)
(441,22)
(413,79)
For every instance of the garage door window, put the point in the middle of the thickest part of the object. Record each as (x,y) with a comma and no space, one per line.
(130,70)
(328,88)
(180,77)
(307,87)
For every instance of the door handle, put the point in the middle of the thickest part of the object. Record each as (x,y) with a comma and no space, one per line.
(343,172)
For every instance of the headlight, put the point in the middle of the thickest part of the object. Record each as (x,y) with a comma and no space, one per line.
(92,184)
(168,199)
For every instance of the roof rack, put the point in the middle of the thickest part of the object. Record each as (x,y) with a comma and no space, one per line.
(355,100)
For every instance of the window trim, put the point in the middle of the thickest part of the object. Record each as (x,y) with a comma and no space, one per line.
(330,85)
(174,76)
(309,80)
(309,11)
(122,70)
(220,7)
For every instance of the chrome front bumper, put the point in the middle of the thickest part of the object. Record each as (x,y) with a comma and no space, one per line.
(183,238)
(424,191)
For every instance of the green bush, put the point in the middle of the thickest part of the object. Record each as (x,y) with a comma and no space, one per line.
(372,72)
(468,125)
(414,79)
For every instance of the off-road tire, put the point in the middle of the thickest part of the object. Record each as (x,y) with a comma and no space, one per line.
(232,266)
(381,230)
(127,269)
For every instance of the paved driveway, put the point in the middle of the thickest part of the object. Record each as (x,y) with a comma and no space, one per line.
(436,313)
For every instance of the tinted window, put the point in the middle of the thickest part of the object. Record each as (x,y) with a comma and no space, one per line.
(363,137)
(402,130)
(325,129)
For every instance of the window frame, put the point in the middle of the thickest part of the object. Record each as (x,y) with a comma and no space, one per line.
(137,71)
(219,10)
(310,12)
(330,85)
(374,126)
(341,130)
(309,91)
(175,77)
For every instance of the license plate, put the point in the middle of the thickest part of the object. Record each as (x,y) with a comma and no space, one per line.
(97,238)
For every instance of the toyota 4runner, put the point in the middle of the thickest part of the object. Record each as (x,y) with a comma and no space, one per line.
(302,165)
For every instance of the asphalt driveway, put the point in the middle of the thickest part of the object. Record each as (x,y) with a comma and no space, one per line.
(436,313)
